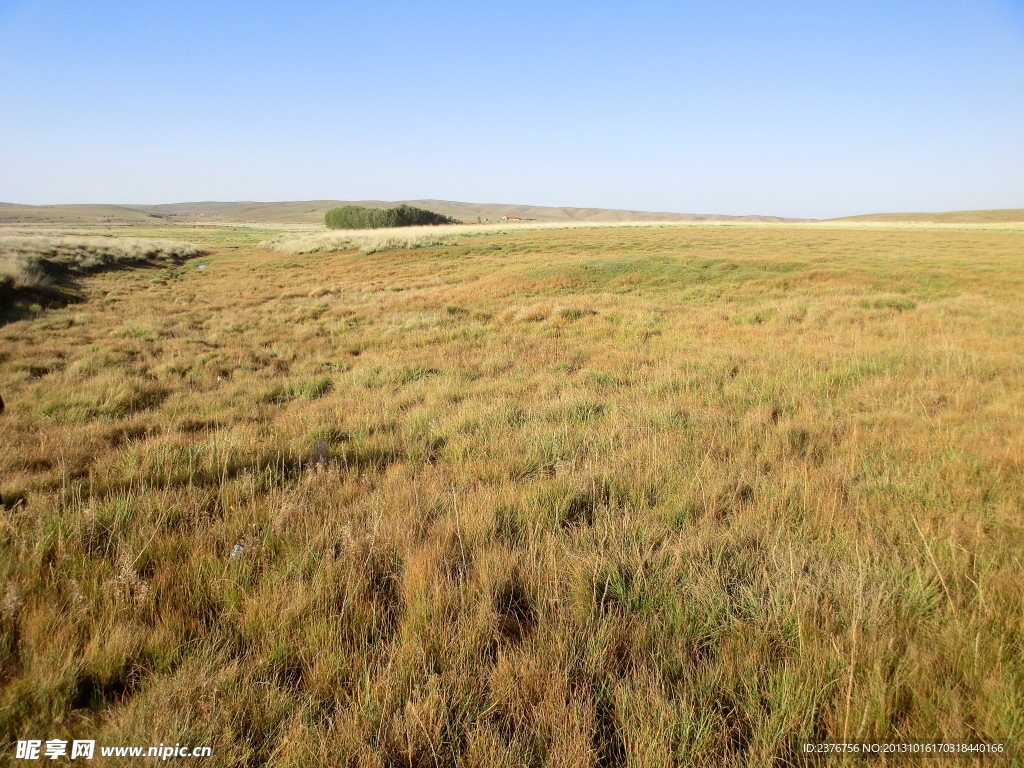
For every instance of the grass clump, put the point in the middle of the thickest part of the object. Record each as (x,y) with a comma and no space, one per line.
(898,303)
(572,314)
(312,389)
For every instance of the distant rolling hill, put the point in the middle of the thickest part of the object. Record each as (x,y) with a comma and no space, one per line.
(312,212)
(11,213)
(993,216)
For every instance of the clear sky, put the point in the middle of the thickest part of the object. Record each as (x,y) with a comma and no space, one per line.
(789,108)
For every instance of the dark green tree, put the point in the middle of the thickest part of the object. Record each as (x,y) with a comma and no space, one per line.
(357,217)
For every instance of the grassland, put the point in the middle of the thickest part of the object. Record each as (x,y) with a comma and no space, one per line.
(563,497)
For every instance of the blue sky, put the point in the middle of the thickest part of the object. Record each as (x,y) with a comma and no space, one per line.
(787,108)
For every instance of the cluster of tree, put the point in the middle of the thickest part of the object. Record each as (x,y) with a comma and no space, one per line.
(357,217)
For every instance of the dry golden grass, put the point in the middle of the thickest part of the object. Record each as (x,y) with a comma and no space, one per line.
(589,497)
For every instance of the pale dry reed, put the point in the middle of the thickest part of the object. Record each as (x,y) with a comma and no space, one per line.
(400,238)
(27,258)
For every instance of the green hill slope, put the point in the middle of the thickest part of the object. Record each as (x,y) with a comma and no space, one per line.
(312,212)
(992,216)
(11,213)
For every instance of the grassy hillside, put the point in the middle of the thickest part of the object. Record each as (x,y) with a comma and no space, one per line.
(304,212)
(470,212)
(312,212)
(576,497)
(73,214)
(994,216)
